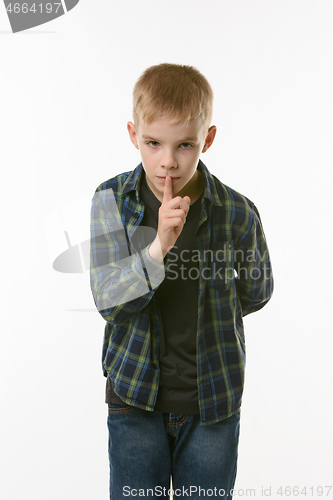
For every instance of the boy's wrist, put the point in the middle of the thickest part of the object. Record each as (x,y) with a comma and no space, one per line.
(155,251)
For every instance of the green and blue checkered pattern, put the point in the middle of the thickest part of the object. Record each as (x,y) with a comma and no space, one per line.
(229,225)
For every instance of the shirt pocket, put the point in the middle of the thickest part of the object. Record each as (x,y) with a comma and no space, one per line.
(222,270)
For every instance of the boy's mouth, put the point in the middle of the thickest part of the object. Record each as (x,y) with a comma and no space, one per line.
(174,179)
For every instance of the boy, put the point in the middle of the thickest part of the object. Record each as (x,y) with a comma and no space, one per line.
(177,259)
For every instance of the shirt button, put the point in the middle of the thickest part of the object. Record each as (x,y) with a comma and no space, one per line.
(154,365)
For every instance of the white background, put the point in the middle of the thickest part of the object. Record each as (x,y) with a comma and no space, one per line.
(65,99)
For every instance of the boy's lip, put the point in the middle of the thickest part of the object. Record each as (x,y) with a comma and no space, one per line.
(174,179)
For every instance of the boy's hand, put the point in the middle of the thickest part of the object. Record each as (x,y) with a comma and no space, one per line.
(171,219)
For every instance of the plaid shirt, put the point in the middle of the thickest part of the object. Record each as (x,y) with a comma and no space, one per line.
(236,280)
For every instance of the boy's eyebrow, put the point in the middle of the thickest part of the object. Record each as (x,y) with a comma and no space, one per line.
(179,140)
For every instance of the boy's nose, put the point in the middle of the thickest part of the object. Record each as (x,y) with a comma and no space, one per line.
(168,160)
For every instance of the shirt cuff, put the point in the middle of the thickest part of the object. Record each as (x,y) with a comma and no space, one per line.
(155,270)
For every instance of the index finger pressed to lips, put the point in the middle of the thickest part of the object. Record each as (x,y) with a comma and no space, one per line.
(167,193)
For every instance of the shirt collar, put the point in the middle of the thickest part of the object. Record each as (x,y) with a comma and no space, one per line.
(132,183)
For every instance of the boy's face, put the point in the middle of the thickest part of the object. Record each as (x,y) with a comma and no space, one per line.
(172,149)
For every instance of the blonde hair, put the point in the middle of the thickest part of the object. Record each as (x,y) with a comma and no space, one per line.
(177,92)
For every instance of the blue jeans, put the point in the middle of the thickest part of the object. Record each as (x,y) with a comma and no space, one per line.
(146,448)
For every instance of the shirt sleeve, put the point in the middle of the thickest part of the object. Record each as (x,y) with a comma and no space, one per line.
(122,279)
(254,280)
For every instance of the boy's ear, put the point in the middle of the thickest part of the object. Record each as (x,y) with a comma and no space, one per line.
(209,138)
(132,134)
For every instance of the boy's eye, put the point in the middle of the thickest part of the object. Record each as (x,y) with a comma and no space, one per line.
(184,145)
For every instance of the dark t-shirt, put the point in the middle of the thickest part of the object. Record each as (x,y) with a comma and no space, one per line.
(176,299)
